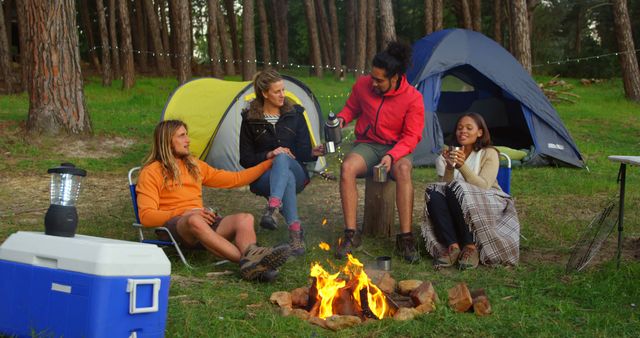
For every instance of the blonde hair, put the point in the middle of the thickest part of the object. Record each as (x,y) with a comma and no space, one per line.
(162,151)
(261,83)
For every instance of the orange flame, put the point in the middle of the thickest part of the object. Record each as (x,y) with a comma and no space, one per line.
(324,246)
(329,286)
(324,221)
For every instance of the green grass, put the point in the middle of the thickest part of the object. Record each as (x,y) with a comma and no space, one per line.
(534,298)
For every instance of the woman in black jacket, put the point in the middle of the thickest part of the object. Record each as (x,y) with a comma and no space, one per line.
(274,128)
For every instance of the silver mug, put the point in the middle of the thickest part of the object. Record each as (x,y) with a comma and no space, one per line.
(379,173)
(451,150)
(330,147)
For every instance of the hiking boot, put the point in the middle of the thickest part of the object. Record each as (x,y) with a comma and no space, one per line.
(268,276)
(351,240)
(469,259)
(258,260)
(268,220)
(296,242)
(447,258)
(406,247)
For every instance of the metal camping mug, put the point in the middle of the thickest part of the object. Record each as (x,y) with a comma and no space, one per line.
(384,263)
(379,173)
(330,147)
(451,150)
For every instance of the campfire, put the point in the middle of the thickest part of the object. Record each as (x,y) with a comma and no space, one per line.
(352,295)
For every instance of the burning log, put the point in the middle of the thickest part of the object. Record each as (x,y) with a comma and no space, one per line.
(344,304)
(460,298)
(364,303)
(313,295)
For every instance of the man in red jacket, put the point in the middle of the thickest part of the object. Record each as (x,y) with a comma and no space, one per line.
(390,115)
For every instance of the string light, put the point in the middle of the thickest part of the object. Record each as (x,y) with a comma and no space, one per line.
(586,58)
(257,62)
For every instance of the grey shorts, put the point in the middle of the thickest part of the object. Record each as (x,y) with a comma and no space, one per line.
(372,154)
(172,225)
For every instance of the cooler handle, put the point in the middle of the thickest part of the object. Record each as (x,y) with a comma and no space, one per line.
(132,287)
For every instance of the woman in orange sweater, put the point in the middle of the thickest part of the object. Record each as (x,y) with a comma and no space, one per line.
(169,194)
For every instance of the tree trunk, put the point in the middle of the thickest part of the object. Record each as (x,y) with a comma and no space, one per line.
(162,62)
(627,55)
(5,57)
(361,37)
(225,42)
(371,33)
(578,41)
(464,14)
(233,30)
(113,37)
(324,33)
(8,6)
(183,38)
(128,70)
(437,15)
(140,40)
(104,40)
(84,16)
(497,21)
(350,35)
(312,25)
(335,36)
(387,23)
(277,38)
(264,33)
(25,61)
(283,6)
(248,41)
(476,15)
(428,16)
(520,34)
(213,41)
(56,99)
(174,24)
(164,30)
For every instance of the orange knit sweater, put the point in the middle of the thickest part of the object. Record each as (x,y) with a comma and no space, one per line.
(157,203)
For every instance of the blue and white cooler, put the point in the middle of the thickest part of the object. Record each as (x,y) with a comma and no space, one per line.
(82,286)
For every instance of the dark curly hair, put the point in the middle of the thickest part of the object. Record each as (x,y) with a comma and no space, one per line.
(395,59)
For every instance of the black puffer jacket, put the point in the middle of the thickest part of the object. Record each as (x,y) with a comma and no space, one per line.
(258,137)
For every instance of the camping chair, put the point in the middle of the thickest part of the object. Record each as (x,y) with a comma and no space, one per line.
(504,175)
(140,227)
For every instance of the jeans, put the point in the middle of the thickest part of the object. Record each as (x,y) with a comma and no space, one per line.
(284,180)
(448,222)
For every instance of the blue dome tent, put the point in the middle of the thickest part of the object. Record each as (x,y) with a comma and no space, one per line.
(459,71)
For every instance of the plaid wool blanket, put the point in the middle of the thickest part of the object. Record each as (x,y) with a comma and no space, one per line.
(491,217)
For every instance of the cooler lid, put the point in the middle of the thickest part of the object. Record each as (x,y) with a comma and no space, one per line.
(86,254)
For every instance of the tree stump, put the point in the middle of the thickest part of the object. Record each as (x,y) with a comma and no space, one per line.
(379,207)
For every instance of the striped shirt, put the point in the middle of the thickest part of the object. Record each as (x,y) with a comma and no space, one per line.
(273,119)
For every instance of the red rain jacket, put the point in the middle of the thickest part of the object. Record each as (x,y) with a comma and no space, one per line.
(395,118)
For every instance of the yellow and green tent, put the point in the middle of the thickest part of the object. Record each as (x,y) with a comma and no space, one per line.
(211,109)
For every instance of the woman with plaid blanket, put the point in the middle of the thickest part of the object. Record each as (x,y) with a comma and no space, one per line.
(468,218)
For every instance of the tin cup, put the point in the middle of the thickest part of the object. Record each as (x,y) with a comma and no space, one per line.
(379,173)
(330,147)
(451,150)
(383,263)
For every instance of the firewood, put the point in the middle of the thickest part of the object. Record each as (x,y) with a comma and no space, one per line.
(345,304)
(460,298)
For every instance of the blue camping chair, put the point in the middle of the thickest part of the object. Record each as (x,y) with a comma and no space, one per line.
(134,200)
(504,175)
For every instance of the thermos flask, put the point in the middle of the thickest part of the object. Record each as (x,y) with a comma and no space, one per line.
(332,133)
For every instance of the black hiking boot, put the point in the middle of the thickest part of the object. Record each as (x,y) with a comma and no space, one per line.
(406,247)
(350,241)
(268,220)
